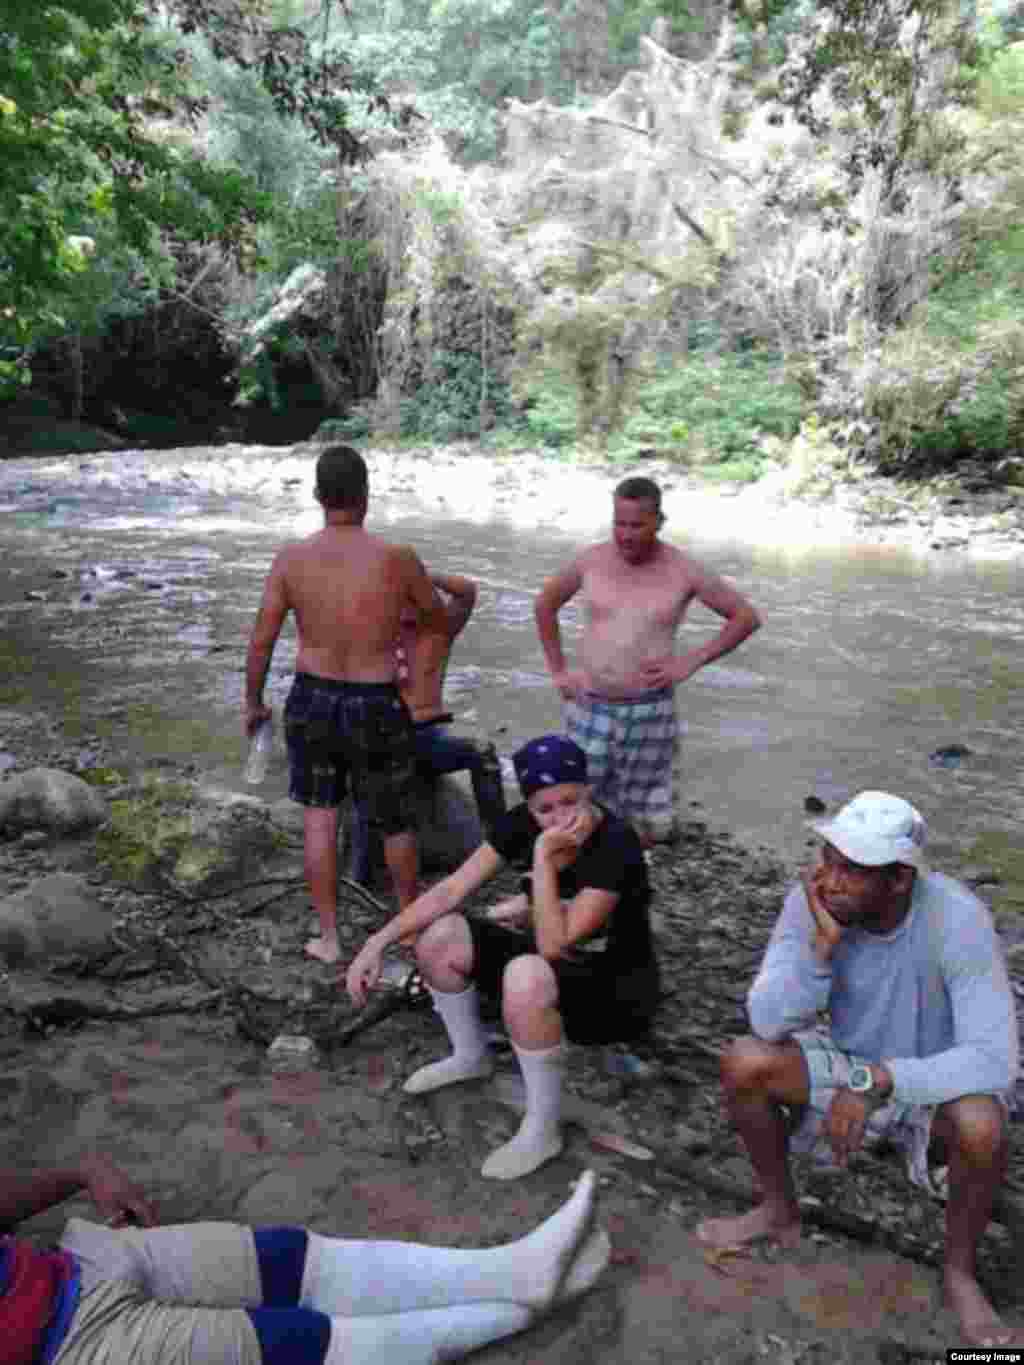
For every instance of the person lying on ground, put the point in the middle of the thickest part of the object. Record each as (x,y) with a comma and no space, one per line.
(423,653)
(922,1045)
(225,1294)
(571,957)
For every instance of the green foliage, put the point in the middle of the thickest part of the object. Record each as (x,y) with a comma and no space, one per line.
(458,401)
(984,286)
(715,409)
(247,131)
(950,384)
(99,107)
(551,416)
(458,61)
(628,20)
(1001,81)
(80,81)
(711,411)
(862,66)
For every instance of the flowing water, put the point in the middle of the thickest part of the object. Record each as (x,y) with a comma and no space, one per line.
(130,585)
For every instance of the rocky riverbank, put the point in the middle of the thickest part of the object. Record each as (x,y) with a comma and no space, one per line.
(159,1046)
(975,509)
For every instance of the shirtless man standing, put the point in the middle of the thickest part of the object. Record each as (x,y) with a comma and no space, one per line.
(620,707)
(423,656)
(344,718)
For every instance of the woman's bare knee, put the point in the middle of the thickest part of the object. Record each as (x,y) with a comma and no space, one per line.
(444,947)
(528,984)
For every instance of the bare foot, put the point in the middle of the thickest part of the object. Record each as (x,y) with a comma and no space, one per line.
(979,1321)
(760,1224)
(324,950)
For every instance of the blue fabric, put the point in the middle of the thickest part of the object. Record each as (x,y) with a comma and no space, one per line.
(441,751)
(291,1336)
(63,1311)
(437,751)
(547,762)
(281,1253)
(6,1251)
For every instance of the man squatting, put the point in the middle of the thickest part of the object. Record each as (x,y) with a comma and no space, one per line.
(923,1040)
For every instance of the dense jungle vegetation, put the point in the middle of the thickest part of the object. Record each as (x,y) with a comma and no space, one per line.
(738,233)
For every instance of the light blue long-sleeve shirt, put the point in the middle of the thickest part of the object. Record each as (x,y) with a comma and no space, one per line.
(931,999)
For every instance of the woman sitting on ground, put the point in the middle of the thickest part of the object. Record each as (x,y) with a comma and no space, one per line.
(572,956)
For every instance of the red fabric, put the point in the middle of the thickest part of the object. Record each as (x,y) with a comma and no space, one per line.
(34,1281)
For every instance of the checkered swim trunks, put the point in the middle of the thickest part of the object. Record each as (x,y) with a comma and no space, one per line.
(631,747)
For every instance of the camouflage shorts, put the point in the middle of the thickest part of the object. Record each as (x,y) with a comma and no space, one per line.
(907,1126)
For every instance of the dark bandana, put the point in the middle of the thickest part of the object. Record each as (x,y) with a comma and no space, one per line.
(546,762)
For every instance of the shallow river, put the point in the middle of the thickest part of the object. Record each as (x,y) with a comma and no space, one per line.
(130,584)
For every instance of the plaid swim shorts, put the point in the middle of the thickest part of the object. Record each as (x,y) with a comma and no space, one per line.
(341,733)
(631,748)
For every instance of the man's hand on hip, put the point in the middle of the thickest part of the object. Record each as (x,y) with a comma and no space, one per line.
(670,669)
(571,683)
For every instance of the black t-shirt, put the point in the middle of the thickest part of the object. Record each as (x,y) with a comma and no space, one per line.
(612,859)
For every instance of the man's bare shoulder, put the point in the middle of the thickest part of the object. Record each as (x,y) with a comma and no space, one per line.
(599,556)
(355,538)
(302,549)
(687,566)
(392,550)
(292,553)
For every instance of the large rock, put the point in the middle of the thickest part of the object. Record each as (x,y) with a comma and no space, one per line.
(173,832)
(46,798)
(54,917)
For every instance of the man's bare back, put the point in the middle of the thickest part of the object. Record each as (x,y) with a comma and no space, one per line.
(348,590)
(425,653)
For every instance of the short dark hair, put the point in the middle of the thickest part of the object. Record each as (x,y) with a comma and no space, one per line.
(342,479)
(640,489)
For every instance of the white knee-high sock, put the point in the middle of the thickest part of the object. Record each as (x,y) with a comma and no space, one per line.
(540,1134)
(470,1060)
(425,1337)
(352,1279)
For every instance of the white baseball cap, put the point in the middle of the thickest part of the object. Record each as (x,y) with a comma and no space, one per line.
(875,829)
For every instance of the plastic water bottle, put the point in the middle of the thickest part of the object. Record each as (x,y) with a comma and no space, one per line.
(259,751)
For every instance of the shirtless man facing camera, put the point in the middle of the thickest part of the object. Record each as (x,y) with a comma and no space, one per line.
(620,704)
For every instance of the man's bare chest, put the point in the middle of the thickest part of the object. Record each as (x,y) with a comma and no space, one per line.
(652,600)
